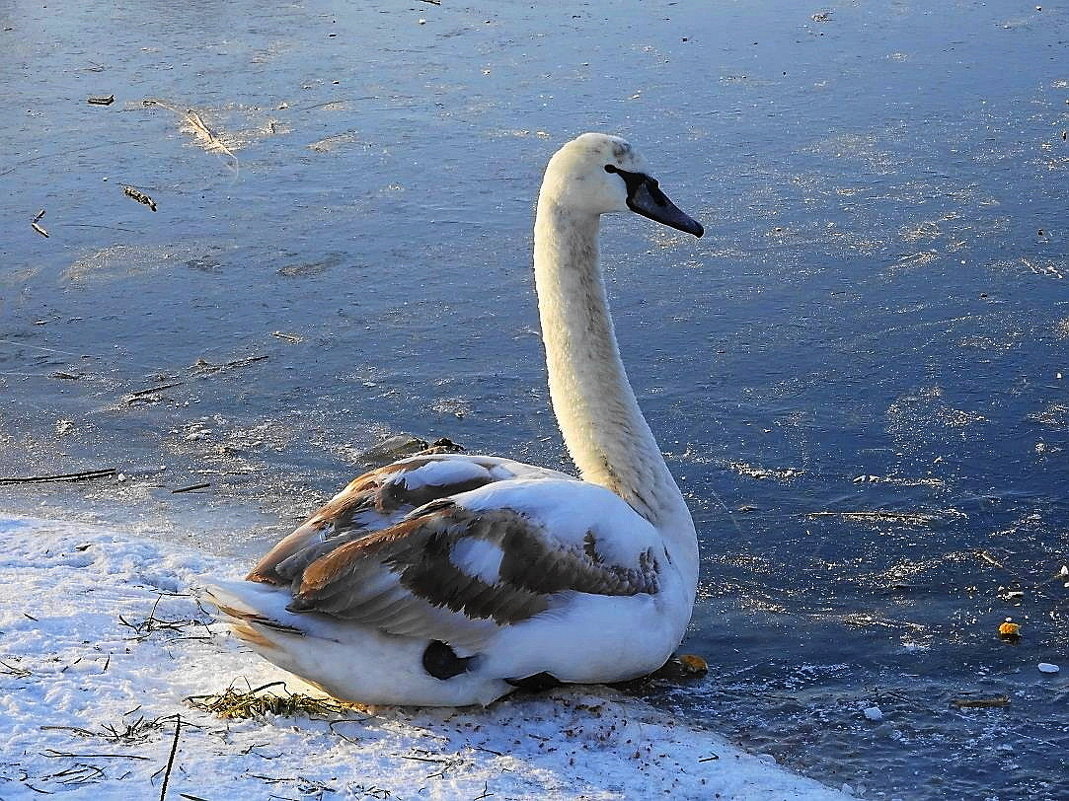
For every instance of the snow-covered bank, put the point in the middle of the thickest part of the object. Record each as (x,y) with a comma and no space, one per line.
(100,642)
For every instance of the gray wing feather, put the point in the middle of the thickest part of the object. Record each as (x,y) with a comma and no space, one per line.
(373,501)
(403,580)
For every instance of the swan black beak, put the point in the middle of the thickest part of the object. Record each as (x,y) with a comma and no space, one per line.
(644,196)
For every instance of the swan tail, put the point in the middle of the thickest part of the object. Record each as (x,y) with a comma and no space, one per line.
(256,613)
(351,662)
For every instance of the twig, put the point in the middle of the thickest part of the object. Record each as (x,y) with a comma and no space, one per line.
(170,759)
(205,366)
(446,763)
(191,487)
(141,393)
(77,730)
(84,475)
(332,723)
(17,672)
(79,774)
(39,228)
(272,779)
(145,629)
(53,754)
(980,703)
(137,731)
(150,390)
(139,196)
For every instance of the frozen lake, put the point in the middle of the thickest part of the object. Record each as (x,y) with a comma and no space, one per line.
(857,375)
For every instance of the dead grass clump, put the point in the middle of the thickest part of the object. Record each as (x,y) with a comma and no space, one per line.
(128,732)
(237,704)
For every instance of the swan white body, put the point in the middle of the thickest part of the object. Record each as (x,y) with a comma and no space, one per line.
(447,579)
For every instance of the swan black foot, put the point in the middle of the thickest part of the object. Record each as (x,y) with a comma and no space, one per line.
(538,683)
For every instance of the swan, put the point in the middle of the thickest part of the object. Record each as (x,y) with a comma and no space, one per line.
(447,579)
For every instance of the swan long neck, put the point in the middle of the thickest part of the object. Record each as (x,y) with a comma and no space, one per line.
(603,427)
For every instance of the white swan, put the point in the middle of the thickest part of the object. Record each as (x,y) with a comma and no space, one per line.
(447,579)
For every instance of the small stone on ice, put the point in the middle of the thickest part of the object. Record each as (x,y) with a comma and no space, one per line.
(391,448)
(873,713)
(1047,667)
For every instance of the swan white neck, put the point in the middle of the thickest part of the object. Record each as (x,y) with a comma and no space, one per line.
(604,430)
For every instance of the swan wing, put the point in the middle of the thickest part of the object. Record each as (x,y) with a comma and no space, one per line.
(382,497)
(460,569)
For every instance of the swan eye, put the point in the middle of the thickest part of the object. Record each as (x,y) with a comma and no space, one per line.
(611,168)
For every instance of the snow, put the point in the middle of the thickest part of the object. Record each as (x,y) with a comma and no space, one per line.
(102,639)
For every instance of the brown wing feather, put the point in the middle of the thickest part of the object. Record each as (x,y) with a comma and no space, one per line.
(415,556)
(371,501)
(404,580)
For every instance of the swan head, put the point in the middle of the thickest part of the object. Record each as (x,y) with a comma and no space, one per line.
(600,174)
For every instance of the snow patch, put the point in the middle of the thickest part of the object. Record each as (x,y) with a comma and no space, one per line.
(103,639)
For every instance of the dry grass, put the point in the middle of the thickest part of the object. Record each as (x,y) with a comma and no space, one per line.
(237,704)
